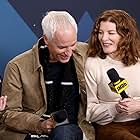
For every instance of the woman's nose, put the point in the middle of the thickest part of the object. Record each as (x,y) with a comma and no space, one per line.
(104,37)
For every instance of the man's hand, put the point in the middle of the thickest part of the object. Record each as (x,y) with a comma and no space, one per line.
(46,126)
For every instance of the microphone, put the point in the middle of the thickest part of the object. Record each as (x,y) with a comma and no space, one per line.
(60,117)
(117,84)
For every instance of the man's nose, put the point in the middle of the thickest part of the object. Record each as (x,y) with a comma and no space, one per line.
(67,51)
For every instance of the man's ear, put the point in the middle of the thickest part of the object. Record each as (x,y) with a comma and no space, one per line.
(45,39)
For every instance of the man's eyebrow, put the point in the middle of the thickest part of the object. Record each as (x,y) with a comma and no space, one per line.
(67,46)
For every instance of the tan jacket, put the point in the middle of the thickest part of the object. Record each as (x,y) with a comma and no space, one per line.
(24,85)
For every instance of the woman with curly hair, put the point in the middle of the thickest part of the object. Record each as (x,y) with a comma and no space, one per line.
(114,43)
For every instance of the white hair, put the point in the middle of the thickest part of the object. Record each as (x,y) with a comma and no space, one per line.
(54,20)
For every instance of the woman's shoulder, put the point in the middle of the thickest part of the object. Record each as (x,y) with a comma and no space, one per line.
(92,63)
(92,60)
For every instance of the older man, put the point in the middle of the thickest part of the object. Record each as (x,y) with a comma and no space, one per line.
(43,80)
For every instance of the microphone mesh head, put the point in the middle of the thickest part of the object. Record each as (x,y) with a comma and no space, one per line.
(59,116)
(113,75)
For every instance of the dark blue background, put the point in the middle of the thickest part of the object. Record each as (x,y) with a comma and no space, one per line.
(20,20)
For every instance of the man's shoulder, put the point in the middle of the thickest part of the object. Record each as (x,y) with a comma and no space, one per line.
(82,45)
(26,55)
(22,56)
(81,48)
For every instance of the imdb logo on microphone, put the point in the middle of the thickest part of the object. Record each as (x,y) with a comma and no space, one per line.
(119,86)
